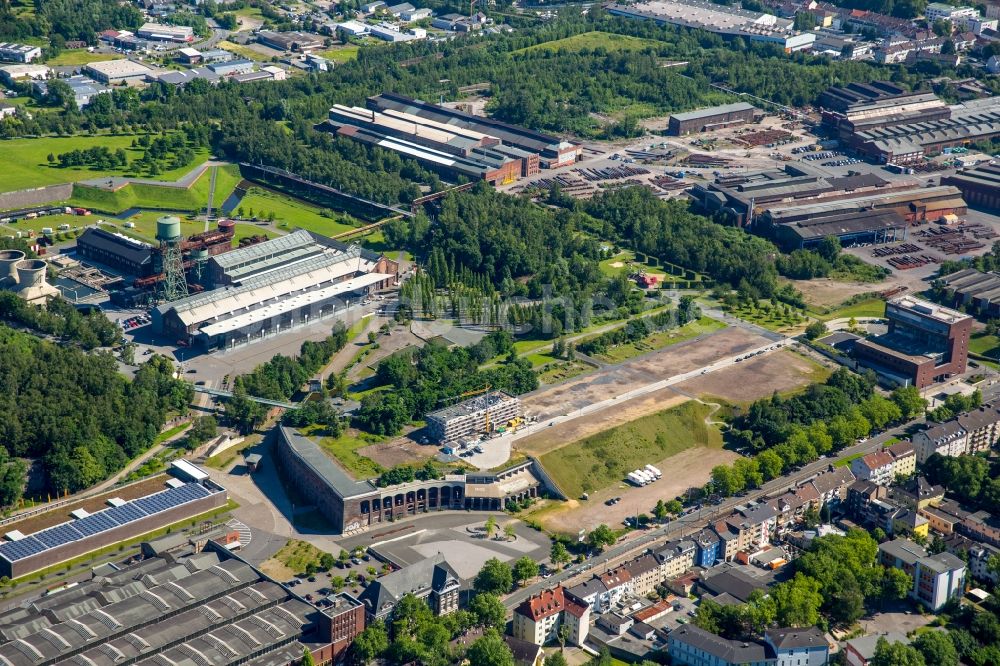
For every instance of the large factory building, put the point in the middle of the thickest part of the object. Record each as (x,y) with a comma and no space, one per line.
(267,288)
(716,117)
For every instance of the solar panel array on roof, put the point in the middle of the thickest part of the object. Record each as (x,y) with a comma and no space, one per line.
(102,521)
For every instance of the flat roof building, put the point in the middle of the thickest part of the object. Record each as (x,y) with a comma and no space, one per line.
(84,89)
(716,117)
(936,578)
(980,186)
(926,343)
(12,74)
(166,33)
(290,41)
(19,52)
(473,417)
(116,251)
(117,71)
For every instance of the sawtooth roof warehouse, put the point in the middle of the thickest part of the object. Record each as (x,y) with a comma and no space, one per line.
(270,287)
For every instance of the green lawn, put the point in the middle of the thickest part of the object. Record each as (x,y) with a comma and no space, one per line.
(26,160)
(344,450)
(241,51)
(985,345)
(80,57)
(607,457)
(344,53)
(767,316)
(872,307)
(595,40)
(845,462)
(141,195)
(622,261)
(560,372)
(661,339)
(291,213)
(247,230)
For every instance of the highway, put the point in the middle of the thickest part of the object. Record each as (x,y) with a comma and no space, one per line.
(637,541)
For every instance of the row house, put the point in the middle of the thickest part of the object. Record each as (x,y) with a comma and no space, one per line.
(861,498)
(707,548)
(982,426)
(645,573)
(946,439)
(878,467)
(979,526)
(917,494)
(733,537)
(677,557)
(604,590)
(904,457)
(538,619)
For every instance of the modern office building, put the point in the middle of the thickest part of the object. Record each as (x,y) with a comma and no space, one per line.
(473,417)
(716,117)
(936,578)
(926,343)
(19,52)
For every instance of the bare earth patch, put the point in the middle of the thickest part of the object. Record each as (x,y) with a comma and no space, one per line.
(758,377)
(399,451)
(687,469)
(825,292)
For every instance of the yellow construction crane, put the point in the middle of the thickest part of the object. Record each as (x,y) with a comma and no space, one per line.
(486,389)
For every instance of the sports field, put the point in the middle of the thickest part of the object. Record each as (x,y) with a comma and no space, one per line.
(606,458)
(595,40)
(290,213)
(26,160)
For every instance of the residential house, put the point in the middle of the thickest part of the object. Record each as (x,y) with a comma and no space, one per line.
(946,439)
(689,645)
(525,653)
(981,526)
(603,591)
(860,497)
(993,64)
(936,578)
(798,647)
(537,619)
(859,651)
(909,522)
(979,558)
(938,520)
(761,520)
(431,579)
(878,467)
(831,485)
(7,110)
(917,493)
(708,549)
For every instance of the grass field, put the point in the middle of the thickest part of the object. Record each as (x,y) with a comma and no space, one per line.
(140,195)
(241,51)
(80,57)
(246,230)
(26,164)
(872,307)
(290,213)
(607,457)
(661,339)
(560,372)
(768,316)
(595,40)
(344,53)
(291,560)
(845,462)
(985,345)
(621,261)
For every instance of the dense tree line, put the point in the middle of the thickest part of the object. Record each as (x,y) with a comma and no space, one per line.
(61,320)
(69,19)
(98,157)
(640,328)
(786,433)
(827,260)
(419,380)
(79,416)
(974,480)
(669,231)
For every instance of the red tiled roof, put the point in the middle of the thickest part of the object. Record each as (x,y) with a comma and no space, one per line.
(548,602)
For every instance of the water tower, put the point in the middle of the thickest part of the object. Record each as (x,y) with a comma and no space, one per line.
(168,233)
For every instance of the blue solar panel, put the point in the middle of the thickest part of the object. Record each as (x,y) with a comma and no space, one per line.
(170,498)
(125,513)
(18,550)
(57,536)
(94,524)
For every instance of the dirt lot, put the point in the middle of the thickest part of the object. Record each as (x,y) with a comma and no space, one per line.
(824,292)
(399,451)
(687,469)
(585,426)
(757,378)
(648,369)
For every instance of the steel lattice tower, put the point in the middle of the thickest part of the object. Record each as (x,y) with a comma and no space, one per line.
(174,285)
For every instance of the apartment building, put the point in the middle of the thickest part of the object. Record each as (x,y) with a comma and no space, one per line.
(904,457)
(538,619)
(936,578)
(676,557)
(645,573)
(604,590)
(946,439)
(982,426)
(878,467)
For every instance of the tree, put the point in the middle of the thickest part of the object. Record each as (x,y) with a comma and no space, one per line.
(489,611)
(490,650)
(370,643)
(326,561)
(556,659)
(491,526)
(307,658)
(601,536)
(727,480)
(510,531)
(909,401)
(815,330)
(494,578)
(937,648)
(797,601)
(660,510)
(524,569)
(674,507)
(343,557)
(770,464)
(895,654)
(558,554)
(896,584)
